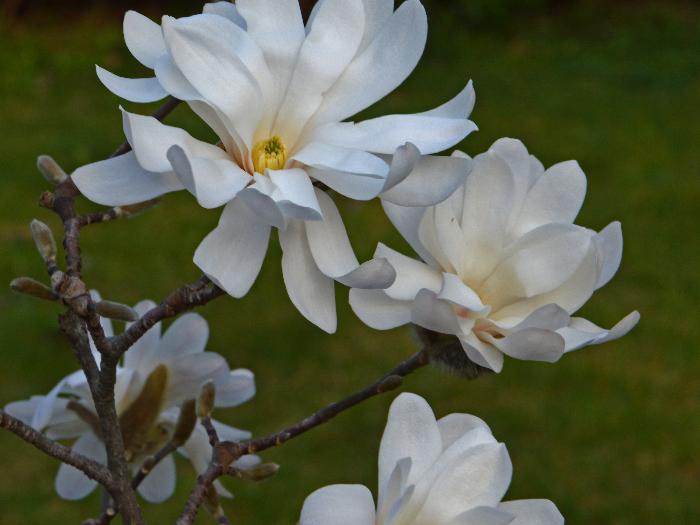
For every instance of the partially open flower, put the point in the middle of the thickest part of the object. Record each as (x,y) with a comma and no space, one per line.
(276,93)
(446,472)
(504,265)
(158,375)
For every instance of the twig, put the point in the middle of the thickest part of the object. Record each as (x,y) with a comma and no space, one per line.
(89,467)
(232,451)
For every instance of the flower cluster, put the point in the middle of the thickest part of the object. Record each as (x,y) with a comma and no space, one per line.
(501,265)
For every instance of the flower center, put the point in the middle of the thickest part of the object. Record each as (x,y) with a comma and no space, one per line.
(269,154)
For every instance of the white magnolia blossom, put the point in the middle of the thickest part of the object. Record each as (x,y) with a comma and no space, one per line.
(277,92)
(181,366)
(505,267)
(446,472)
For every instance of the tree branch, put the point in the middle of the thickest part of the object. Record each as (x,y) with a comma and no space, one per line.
(89,467)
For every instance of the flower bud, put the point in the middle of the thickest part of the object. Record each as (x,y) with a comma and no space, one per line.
(29,286)
(205,402)
(116,311)
(44,240)
(260,473)
(185,423)
(50,169)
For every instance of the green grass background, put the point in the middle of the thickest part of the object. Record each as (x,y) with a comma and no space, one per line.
(610,433)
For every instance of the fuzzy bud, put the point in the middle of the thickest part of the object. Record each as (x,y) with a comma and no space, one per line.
(50,169)
(205,402)
(260,473)
(185,423)
(446,353)
(116,311)
(44,240)
(29,286)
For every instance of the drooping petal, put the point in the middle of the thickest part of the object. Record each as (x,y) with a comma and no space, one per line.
(533,512)
(232,254)
(460,106)
(582,332)
(434,314)
(338,505)
(71,483)
(159,484)
(407,221)
(325,53)
(385,134)
(431,181)
(144,38)
(132,89)
(483,354)
(380,68)
(411,275)
(355,186)
(120,181)
(379,311)
(556,196)
(532,344)
(187,374)
(326,156)
(403,162)
(411,432)
(213,182)
(375,274)
(258,197)
(311,292)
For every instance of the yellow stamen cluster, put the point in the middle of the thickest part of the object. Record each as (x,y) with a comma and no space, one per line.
(269,154)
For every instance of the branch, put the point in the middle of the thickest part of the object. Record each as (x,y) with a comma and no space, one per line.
(226,452)
(89,467)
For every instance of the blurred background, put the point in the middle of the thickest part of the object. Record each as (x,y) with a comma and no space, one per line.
(610,433)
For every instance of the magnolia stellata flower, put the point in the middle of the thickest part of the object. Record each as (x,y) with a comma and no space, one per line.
(504,265)
(276,93)
(446,472)
(158,375)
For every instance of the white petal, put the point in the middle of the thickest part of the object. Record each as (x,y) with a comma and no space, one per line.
(609,242)
(385,134)
(407,221)
(173,81)
(411,432)
(582,332)
(121,180)
(338,505)
(229,433)
(328,240)
(557,196)
(432,180)
(258,198)
(144,38)
(355,186)
(71,483)
(483,516)
(411,275)
(311,292)
(533,512)
(232,254)
(45,407)
(621,328)
(434,314)
(455,426)
(395,486)
(532,344)
(465,477)
(142,353)
(380,68)
(377,14)
(538,262)
(326,156)
(159,484)
(238,388)
(187,335)
(213,182)
(375,274)
(187,374)
(460,106)
(277,27)
(151,141)
(379,311)
(403,162)
(481,353)
(133,89)
(458,293)
(295,195)
(326,52)
(226,9)
(204,49)
(548,317)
